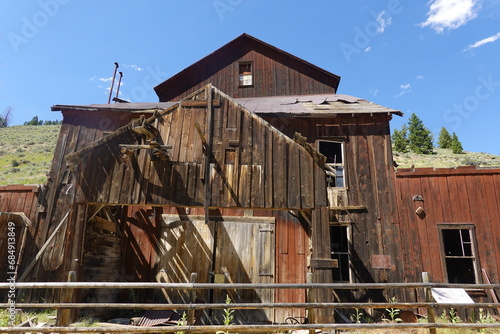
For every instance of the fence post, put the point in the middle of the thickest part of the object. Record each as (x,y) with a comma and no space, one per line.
(311,298)
(64,315)
(192,300)
(431,314)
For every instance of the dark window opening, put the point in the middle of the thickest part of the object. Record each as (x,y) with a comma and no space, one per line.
(245,74)
(339,243)
(459,255)
(333,151)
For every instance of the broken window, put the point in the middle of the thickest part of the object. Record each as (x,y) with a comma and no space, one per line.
(334,153)
(458,245)
(245,73)
(339,243)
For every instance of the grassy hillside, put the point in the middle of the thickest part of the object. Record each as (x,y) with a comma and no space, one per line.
(445,158)
(26,155)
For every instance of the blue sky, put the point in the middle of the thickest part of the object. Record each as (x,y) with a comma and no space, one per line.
(439,59)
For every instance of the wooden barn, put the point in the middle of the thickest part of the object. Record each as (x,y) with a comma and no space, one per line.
(250,168)
(448,219)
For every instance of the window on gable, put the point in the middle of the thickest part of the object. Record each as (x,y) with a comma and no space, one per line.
(339,243)
(334,152)
(246,73)
(458,246)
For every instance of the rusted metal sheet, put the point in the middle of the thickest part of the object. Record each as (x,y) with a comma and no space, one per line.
(159,317)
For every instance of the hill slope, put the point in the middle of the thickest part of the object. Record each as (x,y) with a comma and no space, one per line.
(26,155)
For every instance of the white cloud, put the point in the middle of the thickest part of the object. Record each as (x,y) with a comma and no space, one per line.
(374,92)
(486,40)
(368,49)
(383,22)
(404,89)
(419,77)
(450,14)
(135,67)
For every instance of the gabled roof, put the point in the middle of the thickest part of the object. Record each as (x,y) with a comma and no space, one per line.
(235,49)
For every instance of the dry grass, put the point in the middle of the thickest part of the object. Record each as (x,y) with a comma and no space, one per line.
(26,153)
(445,158)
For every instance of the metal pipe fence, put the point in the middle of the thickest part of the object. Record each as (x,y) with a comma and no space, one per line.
(311,307)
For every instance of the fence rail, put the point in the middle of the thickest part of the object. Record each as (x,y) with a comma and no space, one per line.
(432,325)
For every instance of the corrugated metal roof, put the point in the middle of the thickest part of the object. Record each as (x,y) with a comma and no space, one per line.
(314,105)
(321,104)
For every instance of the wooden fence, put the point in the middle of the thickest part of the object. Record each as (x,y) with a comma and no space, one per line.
(432,325)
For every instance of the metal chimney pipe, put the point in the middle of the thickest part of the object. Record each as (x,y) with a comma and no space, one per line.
(119,83)
(112,83)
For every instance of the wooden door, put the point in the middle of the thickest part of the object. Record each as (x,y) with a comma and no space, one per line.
(221,251)
(245,254)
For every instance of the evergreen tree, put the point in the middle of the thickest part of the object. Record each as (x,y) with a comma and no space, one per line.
(456,145)
(34,121)
(444,139)
(400,140)
(419,137)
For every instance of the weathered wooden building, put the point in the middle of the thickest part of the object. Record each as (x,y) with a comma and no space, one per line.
(251,168)
(448,219)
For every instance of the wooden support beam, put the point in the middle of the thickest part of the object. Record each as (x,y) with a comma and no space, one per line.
(200,103)
(144,147)
(324,263)
(104,224)
(44,247)
(146,129)
(208,154)
(201,134)
(347,208)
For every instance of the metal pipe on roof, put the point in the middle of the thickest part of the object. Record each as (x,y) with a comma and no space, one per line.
(119,83)
(112,83)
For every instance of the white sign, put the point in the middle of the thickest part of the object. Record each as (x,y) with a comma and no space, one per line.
(451,296)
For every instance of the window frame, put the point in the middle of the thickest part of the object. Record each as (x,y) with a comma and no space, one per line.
(252,76)
(348,231)
(333,165)
(473,244)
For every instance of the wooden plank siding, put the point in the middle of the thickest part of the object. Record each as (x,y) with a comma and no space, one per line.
(275,73)
(16,200)
(369,184)
(241,167)
(462,195)
(147,250)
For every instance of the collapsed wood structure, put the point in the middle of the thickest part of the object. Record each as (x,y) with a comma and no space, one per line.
(250,169)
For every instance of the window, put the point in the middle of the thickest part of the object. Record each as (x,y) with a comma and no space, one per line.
(334,152)
(245,73)
(459,248)
(339,243)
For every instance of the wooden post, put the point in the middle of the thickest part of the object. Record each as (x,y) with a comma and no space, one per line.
(64,315)
(311,298)
(208,154)
(192,300)
(431,314)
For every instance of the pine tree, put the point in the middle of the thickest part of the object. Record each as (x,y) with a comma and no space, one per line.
(419,137)
(444,139)
(400,140)
(456,145)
